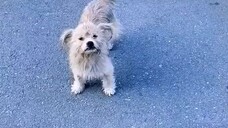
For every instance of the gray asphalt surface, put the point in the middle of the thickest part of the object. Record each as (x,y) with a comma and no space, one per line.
(171,66)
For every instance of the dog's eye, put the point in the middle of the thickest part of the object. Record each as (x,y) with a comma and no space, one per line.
(94,36)
(81,38)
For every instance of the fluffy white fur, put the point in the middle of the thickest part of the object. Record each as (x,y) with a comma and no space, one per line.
(99,26)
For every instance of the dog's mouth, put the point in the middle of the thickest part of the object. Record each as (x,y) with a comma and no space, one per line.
(92,50)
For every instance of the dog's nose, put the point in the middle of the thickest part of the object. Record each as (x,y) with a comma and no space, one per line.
(90,44)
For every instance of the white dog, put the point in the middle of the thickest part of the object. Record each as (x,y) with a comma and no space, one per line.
(88,46)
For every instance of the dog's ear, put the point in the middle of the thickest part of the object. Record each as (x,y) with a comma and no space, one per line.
(107,30)
(66,37)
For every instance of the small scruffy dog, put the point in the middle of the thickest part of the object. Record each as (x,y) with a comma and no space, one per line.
(88,46)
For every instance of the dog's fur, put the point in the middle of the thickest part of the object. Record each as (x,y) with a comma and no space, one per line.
(98,25)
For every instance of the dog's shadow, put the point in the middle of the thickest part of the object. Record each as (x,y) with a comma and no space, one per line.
(146,59)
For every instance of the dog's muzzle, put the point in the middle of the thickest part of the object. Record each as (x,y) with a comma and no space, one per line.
(91,48)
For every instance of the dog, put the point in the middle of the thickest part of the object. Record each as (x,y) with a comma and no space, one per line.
(88,46)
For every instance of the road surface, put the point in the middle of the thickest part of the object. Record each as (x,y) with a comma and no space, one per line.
(171,66)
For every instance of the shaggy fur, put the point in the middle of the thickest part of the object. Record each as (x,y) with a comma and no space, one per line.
(88,46)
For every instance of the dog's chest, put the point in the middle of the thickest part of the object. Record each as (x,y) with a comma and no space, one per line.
(91,70)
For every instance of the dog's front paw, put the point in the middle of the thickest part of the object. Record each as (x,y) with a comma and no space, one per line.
(76,89)
(109,91)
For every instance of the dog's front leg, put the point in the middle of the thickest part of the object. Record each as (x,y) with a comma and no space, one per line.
(108,84)
(78,85)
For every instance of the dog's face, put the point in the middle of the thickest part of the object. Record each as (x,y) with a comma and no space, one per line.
(88,38)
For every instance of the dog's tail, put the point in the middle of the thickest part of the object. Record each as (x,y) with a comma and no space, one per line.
(109,1)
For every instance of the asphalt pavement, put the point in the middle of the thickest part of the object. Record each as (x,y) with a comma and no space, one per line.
(171,66)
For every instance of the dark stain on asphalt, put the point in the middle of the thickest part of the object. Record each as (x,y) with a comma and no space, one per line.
(215,3)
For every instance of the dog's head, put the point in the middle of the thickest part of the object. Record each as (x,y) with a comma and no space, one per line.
(88,38)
